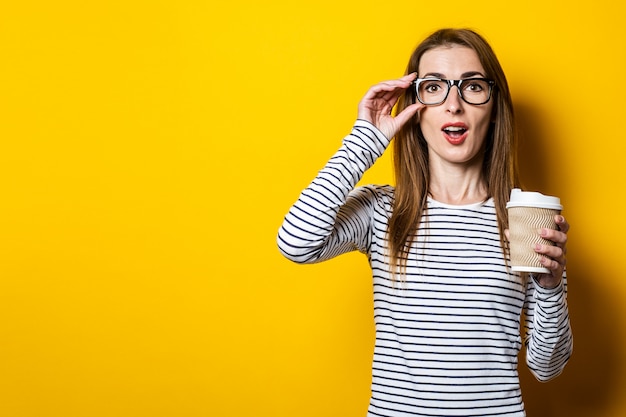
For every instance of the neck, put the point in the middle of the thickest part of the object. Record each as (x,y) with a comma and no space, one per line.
(457,184)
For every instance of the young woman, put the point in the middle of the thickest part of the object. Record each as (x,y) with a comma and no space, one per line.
(447,305)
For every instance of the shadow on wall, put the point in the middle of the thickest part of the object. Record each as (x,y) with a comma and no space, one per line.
(587,385)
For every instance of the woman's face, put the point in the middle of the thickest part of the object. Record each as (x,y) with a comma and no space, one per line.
(454,130)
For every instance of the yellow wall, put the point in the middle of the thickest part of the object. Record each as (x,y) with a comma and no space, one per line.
(149,150)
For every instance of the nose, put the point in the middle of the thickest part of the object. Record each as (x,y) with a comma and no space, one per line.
(453,101)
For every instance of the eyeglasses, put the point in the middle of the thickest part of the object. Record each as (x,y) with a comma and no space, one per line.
(434,91)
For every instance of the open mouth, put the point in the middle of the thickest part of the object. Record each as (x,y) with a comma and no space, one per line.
(455,132)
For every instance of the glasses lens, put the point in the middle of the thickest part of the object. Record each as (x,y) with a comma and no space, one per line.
(475,91)
(432,91)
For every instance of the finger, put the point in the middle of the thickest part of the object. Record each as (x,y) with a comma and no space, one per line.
(556,269)
(554,252)
(393,85)
(382,98)
(407,113)
(408,78)
(562,224)
(507,234)
(555,265)
(559,238)
(391,97)
(555,274)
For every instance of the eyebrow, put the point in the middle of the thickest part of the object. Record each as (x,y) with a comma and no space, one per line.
(468,74)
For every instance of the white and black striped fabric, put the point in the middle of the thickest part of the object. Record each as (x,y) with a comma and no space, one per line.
(448,332)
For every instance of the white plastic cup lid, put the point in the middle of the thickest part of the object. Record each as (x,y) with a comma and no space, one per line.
(521,198)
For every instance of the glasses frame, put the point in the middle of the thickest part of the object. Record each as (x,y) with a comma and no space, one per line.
(452,83)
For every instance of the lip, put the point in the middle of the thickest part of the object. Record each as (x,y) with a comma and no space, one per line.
(456,140)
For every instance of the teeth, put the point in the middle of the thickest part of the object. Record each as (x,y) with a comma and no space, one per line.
(454,129)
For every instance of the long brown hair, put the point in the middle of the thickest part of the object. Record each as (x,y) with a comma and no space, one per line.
(411,152)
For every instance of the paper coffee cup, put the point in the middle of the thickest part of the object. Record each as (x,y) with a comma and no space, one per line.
(528,213)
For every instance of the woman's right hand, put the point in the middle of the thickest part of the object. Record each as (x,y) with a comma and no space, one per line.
(377,104)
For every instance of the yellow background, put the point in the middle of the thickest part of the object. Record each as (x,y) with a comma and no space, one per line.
(150,149)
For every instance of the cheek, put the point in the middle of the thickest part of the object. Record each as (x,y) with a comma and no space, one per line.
(428,126)
(488,126)
(483,123)
(483,129)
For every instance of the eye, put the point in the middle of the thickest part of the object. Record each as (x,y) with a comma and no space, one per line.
(475,86)
(432,87)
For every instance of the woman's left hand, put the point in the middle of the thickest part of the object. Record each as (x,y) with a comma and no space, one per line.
(553,257)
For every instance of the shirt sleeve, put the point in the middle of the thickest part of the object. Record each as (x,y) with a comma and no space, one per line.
(548,340)
(330,217)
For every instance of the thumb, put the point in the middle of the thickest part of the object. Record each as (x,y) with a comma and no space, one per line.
(405,115)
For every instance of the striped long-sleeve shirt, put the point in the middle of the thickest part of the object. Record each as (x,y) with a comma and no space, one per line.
(448,334)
